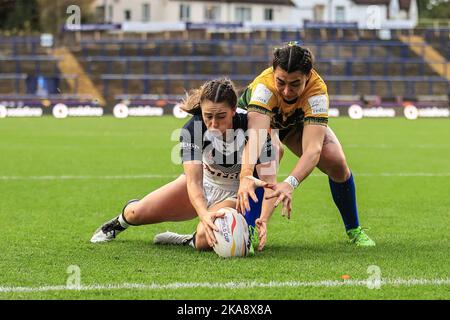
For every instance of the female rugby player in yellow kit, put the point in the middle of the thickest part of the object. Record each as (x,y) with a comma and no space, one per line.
(292,98)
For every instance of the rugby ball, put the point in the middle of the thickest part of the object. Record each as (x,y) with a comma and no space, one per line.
(233,236)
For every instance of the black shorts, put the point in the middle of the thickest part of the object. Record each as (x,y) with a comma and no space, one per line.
(297,127)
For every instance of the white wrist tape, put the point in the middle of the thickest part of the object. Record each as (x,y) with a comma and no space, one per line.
(292,181)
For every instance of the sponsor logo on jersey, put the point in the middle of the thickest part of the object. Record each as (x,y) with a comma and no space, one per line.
(318,104)
(262,94)
(189,146)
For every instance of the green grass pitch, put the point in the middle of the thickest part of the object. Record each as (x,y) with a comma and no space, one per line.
(60,179)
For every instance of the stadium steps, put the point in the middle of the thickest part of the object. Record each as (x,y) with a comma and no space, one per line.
(429,54)
(68,64)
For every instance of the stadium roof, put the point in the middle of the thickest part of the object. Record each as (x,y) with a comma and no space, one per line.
(277,2)
(404,4)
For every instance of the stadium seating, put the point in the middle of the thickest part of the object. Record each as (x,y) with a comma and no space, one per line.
(30,64)
(439,39)
(21,45)
(358,66)
(171,64)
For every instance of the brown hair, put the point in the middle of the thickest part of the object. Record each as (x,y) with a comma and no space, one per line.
(292,57)
(217,91)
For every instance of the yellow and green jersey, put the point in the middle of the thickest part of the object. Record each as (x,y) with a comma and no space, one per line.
(310,108)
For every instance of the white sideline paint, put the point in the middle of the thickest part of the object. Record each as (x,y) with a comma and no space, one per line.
(82,177)
(230,285)
(387,146)
(173,176)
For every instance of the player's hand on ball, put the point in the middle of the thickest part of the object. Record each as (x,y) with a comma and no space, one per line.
(247,187)
(283,193)
(261,226)
(207,220)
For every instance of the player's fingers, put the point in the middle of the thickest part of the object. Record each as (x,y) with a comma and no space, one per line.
(246,203)
(286,207)
(219,214)
(288,204)
(253,196)
(260,229)
(260,183)
(262,233)
(272,195)
(208,238)
(211,225)
(280,199)
(212,238)
(271,186)
(285,213)
(210,242)
(262,243)
(241,205)
(256,182)
(290,207)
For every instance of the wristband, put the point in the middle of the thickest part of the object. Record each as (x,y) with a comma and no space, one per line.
(292,181)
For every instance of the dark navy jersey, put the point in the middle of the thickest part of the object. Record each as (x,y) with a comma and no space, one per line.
(221,159)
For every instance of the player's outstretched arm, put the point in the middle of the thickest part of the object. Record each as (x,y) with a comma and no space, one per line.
(268,206)
(258,126)
(194,179)
(312,142)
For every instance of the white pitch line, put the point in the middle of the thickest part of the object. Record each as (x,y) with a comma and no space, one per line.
(83,177)
(387,146)
(231,285)
(173,176)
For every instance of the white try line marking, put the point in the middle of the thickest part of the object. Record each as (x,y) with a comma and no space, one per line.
(83,177)
(388,146)
(231,285)
(173,176)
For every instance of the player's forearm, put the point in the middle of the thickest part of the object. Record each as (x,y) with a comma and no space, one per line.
(252,150)
(258,126)
(306,164)
(268,207)
(197,198)
(248,164)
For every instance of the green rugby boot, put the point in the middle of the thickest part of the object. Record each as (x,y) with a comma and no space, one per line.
(254,240)
(358,237)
